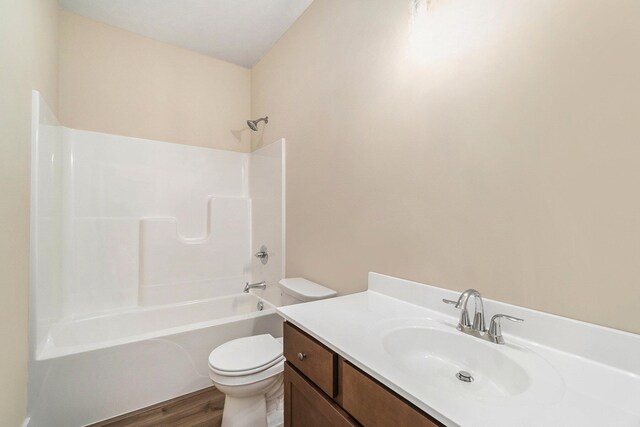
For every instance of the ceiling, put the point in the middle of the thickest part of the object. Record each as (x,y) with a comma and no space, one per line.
(237,31)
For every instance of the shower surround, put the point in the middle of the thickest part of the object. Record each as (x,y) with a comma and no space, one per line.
(140,250)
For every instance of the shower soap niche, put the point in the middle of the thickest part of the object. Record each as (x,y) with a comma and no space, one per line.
(174,268)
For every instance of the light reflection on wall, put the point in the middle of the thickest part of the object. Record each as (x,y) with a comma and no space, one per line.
(448,29)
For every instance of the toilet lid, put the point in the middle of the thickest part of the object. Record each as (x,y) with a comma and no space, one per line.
(246,354)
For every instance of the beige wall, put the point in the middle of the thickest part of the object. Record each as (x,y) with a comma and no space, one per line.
(118,82)
(502,152)
(28,58)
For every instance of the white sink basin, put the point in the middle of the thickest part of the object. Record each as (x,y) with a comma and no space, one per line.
(434,355)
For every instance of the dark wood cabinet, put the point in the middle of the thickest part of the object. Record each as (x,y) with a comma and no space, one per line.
(324,390)
(373,405)
(307,406)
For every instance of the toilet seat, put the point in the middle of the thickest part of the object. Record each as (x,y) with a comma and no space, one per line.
(248,371)
(227,380)
(246,360)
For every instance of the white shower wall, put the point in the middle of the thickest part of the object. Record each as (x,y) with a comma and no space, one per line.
(139,229)
(266,185)
(46,220)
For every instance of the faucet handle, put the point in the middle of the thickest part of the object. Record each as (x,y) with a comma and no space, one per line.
(497,318)
(464,316)
(262,254)
(495,328)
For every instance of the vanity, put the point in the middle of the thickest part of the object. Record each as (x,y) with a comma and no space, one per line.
(323,389)
(395,355)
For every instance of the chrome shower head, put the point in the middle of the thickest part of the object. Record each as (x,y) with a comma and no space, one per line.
(253,124)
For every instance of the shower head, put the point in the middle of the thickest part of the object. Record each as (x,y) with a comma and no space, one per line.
(253,124)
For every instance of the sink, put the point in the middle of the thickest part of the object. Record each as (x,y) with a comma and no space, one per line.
(434,355)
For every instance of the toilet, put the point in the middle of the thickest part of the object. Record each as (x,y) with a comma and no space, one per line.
(249,370)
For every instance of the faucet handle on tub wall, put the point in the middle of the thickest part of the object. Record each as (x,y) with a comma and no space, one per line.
(262,254)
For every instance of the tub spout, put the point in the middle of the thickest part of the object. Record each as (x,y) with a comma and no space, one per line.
(259,285)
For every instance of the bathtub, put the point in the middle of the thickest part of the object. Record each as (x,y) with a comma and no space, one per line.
(94,368)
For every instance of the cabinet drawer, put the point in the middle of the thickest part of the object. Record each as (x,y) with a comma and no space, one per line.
(306,406)
(373,405)
(311,358)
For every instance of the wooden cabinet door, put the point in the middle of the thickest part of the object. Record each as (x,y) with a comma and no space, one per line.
(306,406)
(373,405)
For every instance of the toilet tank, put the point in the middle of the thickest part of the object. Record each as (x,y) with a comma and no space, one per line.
(298,289)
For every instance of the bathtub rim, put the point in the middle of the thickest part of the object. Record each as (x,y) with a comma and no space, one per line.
(48,350)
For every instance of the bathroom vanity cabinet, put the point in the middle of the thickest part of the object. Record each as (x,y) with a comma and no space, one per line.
(323,389)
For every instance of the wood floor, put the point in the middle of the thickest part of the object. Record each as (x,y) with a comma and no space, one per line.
(200,409)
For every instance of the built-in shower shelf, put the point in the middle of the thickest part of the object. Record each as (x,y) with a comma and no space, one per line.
(173,267)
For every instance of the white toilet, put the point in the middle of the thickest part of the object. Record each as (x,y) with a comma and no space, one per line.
(249,370)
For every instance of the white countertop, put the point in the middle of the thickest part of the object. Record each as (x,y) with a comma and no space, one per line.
(581,374)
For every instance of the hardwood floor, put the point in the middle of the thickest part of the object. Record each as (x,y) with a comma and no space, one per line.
(199,409)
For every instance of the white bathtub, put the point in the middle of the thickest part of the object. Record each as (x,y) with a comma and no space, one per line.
(94,368)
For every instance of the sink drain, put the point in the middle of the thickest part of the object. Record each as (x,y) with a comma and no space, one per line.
(464,376)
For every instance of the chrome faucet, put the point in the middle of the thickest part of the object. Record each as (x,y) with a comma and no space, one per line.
(259,285)
(478,329)
(464,324)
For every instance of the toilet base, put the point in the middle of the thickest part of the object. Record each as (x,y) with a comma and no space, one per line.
(275,419)
(245,411)
(251,405)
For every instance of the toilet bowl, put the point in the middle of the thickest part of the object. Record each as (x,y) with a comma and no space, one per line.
(249,370)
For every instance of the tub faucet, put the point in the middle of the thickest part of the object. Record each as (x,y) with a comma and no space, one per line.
(259,285)
(464,324)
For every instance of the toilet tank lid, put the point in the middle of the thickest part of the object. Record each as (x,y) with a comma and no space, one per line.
(305,290)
